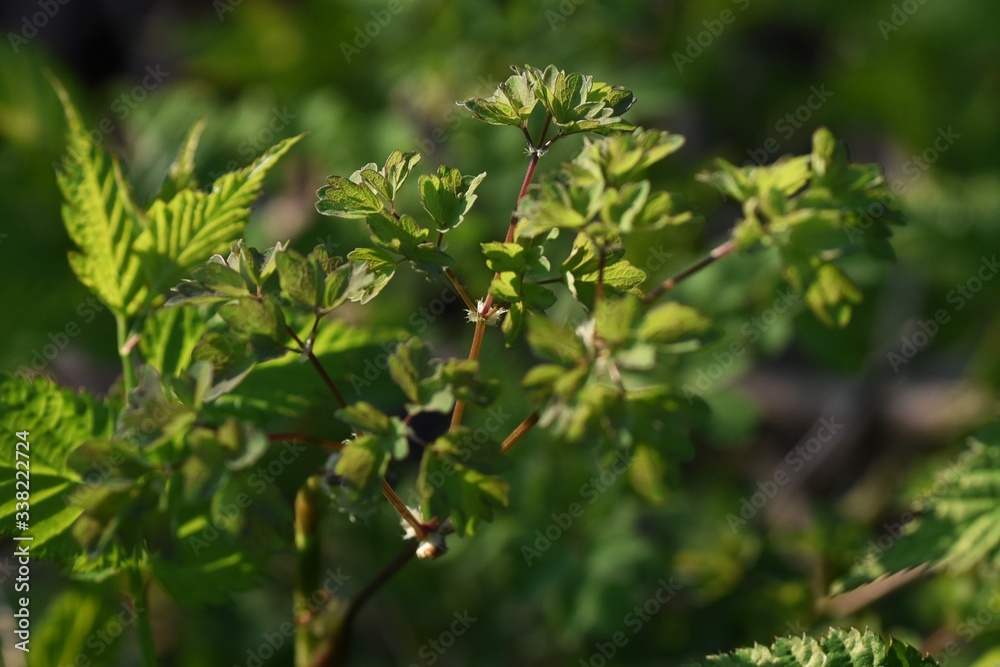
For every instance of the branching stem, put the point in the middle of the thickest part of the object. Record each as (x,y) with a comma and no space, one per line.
(717,253)
(487,309)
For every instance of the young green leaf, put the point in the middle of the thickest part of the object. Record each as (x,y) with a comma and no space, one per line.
(180,176)
(348,198)
(510,104)
(447,196)
(300,278)
(101,217)
(362,464)
(397,167)
(450,486)
(380,265)
(193,225)
(830,296)
(578,104)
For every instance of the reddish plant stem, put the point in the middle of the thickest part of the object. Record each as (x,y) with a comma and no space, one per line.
(717,253)
(477,344)
(487,309)
(519,432)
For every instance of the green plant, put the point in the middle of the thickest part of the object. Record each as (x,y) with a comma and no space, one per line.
(127,488)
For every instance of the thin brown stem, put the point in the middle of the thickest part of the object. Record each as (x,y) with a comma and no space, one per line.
(519,432)
(334,654)
(295,337)
(403,510)
(461,290)
(341,401)
(314,360)
(717,253)
(380,580)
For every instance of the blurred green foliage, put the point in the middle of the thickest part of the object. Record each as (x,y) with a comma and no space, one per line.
(263,71)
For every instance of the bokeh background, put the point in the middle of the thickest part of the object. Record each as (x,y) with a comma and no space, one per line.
(912,84)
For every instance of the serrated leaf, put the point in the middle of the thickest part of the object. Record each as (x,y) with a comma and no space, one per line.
(447,196)
(129,257)
(229,356)
(193,225)
(458,379)
(506,286)
(510,104)
(584,257)
(830,295)
(249,318)
(622,276)
(401,236)
(300,279)
(58,421)
(957,520)
(180,175)
(345,198)
(843,648)
(504,256)
(396,169)
(513,323)
(169,337)
(101,218)
(215,282)
(450,486)
(578,104)
(537,297)
(380,265)
(349,282)
(362,464)
(406,366)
